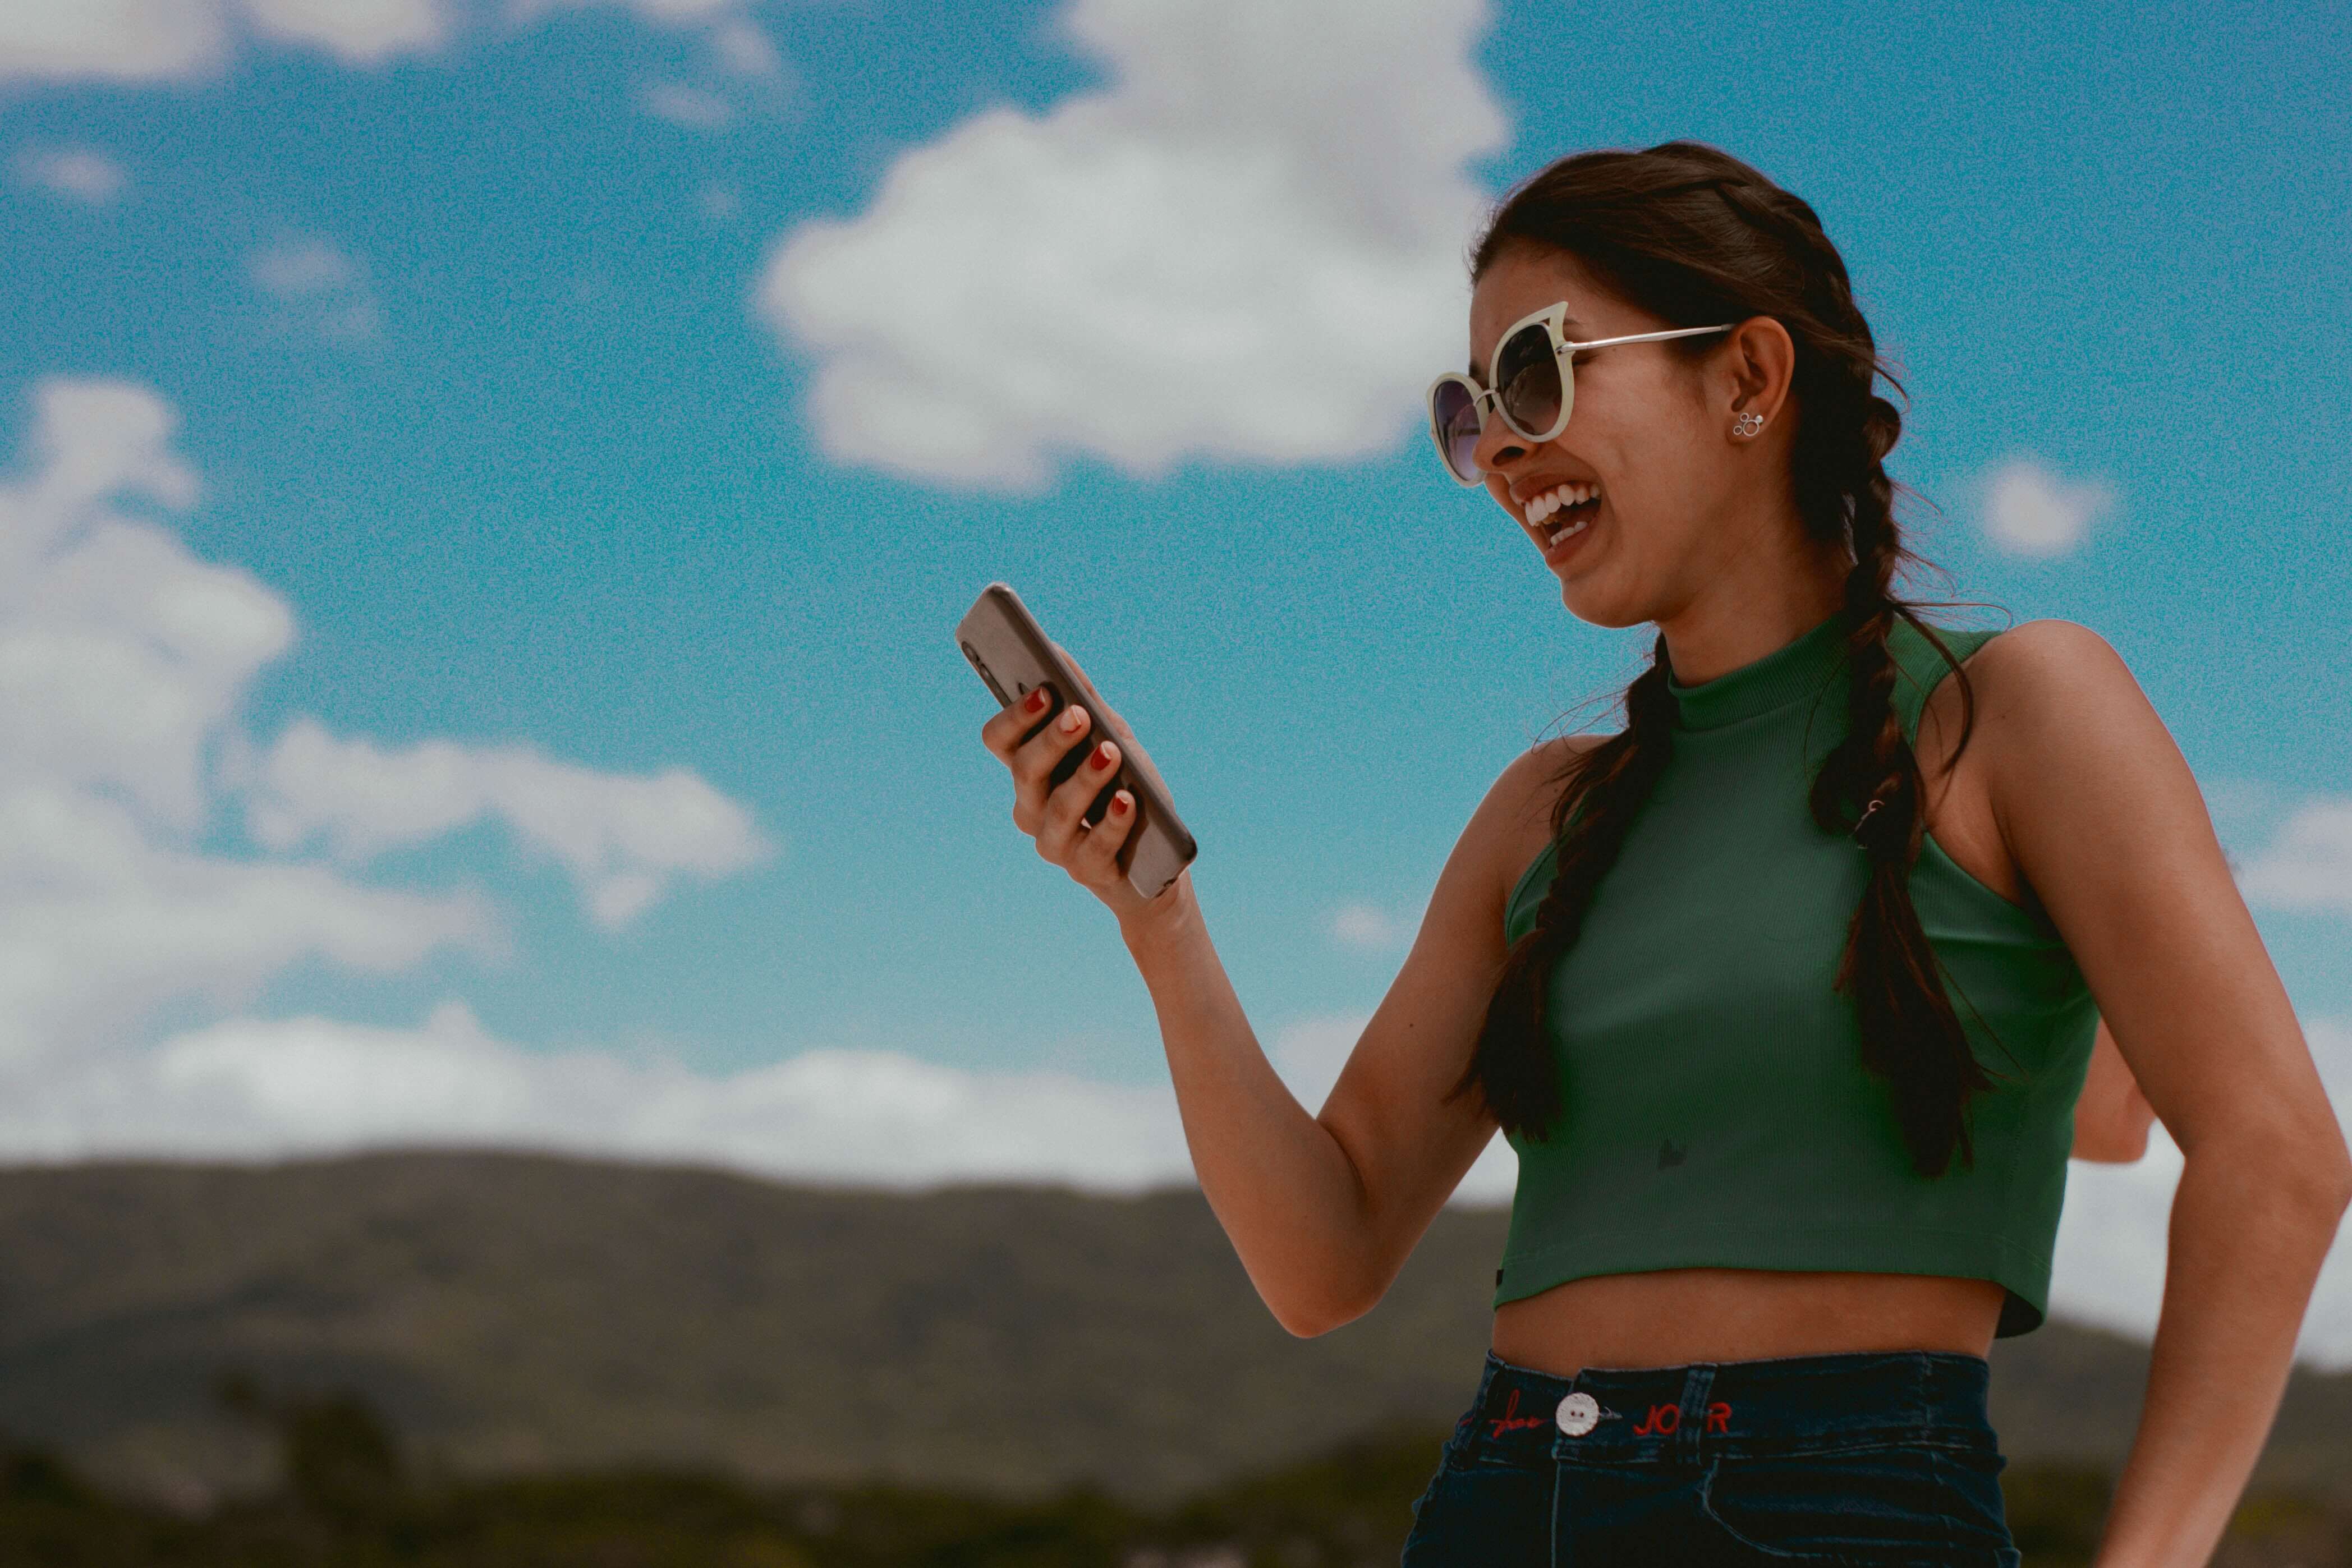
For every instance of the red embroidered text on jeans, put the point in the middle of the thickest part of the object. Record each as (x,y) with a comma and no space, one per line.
(1510,1421)
(1666,1419)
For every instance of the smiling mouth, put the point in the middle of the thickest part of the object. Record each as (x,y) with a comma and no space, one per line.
(1572,506)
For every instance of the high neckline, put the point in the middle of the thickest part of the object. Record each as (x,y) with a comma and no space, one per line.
(1791,673)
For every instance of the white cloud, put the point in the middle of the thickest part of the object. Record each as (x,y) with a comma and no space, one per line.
(319,282)
(623,839)
(742,48)
(2029,511)
(659,13)
(256,1088)
(124,662)
(103,921)
(688,106)
(83,173)
(2309,864)
(295,269)
(1139,273)
(162,40)
(1365,929)
(119,40)
(120,651)
(357,32)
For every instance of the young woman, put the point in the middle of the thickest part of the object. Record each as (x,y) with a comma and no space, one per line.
(1787,994)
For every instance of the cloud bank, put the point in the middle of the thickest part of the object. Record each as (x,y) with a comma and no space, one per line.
(622,839)
(245,1088)
(124,662)
(2308,865)
(1269,200)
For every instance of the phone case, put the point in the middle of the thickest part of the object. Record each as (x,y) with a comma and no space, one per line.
(1012,655)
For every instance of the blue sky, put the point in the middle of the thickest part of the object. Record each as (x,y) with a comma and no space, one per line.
(608,394)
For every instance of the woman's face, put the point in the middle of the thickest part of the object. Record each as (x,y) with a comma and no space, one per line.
(1643,430)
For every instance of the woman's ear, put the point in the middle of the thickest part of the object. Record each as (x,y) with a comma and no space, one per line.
(1759,364)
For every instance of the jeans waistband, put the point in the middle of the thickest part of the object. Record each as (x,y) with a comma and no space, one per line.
(1787,1404)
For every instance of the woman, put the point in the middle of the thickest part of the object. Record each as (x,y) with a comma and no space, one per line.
(1784,994)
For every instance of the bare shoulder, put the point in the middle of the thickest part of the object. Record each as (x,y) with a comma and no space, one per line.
(2034,686)
(1514,820)
(2037,664)
(2031,681)
(2047,685)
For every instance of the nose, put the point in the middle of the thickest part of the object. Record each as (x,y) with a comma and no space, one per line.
(1498,447)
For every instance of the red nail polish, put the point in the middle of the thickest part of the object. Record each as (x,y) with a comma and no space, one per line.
(1036,700)
(1102,754)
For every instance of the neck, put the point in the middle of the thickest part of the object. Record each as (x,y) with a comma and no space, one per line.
(1767,599)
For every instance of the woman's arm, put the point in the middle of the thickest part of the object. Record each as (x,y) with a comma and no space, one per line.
(2111,1116)
(1323,1209)
(2105,823)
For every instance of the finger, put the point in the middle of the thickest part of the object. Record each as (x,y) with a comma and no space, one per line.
(1066,810)
(1095,864)
(1037,762)
(1008,725)
(1043,752)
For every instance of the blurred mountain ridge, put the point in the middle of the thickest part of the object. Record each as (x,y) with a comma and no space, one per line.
(514,1313)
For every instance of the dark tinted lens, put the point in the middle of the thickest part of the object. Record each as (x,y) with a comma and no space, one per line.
(1454,416)
(1528,372)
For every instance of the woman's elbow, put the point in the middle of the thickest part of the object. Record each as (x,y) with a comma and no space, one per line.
(2110,1145)
(2120,1135)
(1316,1319)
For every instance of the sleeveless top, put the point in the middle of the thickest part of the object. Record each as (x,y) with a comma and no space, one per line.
(1715,1109)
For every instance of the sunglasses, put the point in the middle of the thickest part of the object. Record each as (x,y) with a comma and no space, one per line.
(1531,382)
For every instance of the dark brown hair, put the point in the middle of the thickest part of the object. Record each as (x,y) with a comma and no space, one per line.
(1694,237)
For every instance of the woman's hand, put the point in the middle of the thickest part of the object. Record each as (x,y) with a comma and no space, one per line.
(1030,737)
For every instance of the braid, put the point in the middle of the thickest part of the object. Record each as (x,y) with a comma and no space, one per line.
(1692,234)
(1870,786)
(1605,790)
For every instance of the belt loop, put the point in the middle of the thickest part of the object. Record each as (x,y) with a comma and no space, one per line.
(1696,1385)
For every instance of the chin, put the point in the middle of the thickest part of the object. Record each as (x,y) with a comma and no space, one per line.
(1596,608)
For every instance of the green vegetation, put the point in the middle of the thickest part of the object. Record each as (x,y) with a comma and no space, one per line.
(351,1499)
(515,1314)
(592,1363)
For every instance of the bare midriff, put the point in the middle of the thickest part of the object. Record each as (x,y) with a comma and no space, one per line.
(1672,1316)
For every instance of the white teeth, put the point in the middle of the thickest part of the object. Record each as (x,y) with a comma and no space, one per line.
(1553,499)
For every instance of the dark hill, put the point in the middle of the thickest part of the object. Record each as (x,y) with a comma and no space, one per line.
(512,1312)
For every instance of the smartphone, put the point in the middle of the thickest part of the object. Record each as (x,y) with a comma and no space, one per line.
(1012,655)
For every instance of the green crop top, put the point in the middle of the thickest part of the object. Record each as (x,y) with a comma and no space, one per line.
(1716,1111)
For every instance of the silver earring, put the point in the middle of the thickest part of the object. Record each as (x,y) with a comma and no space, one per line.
(1747,424)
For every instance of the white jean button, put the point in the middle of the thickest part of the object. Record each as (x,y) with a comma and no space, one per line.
(1579,1414)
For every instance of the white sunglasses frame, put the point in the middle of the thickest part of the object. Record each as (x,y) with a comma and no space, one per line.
(1550,316)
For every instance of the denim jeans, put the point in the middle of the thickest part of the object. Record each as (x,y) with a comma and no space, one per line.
(1871,1459)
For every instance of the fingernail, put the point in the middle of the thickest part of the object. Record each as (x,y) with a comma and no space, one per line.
(1036,700)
